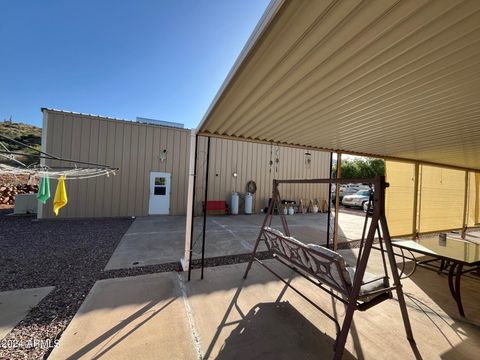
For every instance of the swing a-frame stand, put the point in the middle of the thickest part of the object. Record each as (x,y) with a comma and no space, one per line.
(327,269)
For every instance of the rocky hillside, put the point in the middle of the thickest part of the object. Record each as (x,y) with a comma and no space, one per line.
(12,185)
(27,134)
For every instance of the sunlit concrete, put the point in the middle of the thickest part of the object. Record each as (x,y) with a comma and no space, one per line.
(140,317)
(15,305)
(260,316)
(226,317)
(160,239)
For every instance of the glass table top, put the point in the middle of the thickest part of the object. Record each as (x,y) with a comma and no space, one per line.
(453,248)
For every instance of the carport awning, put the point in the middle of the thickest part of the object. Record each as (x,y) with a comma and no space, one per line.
(396,79)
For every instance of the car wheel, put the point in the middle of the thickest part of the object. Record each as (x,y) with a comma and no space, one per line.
(365,206)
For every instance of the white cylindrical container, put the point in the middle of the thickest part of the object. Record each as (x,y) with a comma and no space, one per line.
(248,203)
(291,210)
(234,203)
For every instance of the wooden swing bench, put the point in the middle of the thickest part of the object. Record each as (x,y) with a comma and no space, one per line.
(328,270)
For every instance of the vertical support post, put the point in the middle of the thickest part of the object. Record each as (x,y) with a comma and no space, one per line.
(415,200)
(205,206)
(191,204)
(419,202)
(465,206)
(337,201)
(391,258)
(329,199)
(43,161)
(477,197)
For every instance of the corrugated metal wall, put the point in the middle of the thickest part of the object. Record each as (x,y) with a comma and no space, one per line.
(135,149)
(130,146)
(251,161)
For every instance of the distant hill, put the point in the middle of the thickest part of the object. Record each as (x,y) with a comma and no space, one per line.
(27,134)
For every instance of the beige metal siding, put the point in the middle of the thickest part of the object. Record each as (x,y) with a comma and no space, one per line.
(251,162)
(130,146)
(135,149)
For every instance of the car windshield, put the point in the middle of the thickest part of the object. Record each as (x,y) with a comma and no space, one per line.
(363,193)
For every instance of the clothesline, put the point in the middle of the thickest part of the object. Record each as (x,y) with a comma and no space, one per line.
(72,173)
(79,171)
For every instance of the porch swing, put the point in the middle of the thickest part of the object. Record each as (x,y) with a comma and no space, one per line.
(327,269)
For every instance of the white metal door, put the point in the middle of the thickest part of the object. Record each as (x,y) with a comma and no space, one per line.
(159,202)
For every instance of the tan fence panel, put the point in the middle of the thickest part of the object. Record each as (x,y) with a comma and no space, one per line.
(441,200)
(399,202)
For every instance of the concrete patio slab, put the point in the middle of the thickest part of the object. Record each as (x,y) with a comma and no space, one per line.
(260,318)
(15,305)
(139,317)
(162,316)
(160,239)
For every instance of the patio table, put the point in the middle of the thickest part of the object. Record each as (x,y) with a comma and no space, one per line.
(453,253)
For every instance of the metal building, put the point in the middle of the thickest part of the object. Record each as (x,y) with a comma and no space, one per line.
(153,162)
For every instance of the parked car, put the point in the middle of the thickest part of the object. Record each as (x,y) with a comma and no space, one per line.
(348,189)
(359,199)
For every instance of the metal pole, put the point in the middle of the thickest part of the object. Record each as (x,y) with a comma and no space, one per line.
(193,209)
(337,200)
(205,206)
(415,200)
(418,202)
(329,200)
(465,206)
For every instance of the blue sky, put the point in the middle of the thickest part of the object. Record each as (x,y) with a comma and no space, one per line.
(162,59)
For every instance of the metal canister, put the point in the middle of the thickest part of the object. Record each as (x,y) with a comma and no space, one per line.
(234,203)
(248,203)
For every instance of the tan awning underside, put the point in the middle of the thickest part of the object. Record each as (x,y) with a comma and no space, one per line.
(386,78)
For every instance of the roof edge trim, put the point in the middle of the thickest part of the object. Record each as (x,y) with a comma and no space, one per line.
(338,151)
(109,118)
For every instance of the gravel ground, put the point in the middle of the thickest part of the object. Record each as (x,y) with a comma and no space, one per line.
(67,254)
(70,255)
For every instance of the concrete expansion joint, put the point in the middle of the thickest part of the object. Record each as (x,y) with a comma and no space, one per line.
(242,241)
(190,317)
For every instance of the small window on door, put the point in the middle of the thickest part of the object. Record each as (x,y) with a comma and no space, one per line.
(160,181)
(160,187)
(160,190)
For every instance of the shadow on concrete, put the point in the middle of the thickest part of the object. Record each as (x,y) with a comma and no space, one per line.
(435,285)
(114,330)
(276,331)
(427,291)
(461,351)
(272,330)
